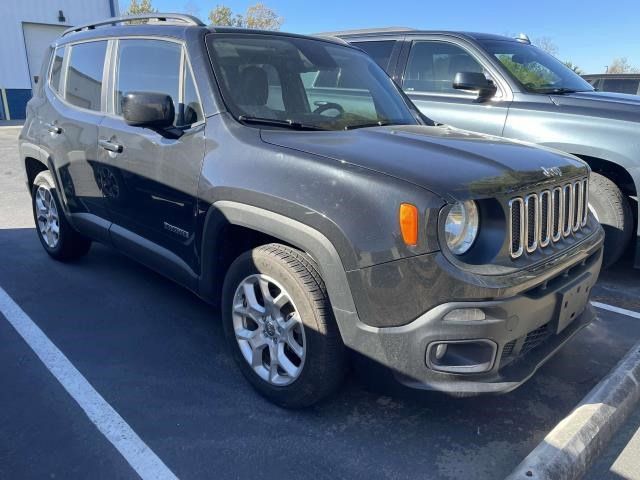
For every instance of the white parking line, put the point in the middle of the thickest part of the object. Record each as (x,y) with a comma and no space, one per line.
(141,458)
(622,311)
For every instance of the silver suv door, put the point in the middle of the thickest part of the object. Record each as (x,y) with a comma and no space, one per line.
(427,78)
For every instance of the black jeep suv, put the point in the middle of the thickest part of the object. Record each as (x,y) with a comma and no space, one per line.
(329,222)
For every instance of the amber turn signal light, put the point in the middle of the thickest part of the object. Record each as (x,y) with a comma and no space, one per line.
(409,223)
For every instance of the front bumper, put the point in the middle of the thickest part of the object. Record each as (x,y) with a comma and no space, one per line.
(520,333)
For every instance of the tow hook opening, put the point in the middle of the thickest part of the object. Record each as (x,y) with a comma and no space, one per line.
(467,356)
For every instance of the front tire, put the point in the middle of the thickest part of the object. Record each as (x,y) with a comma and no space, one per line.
(610,207)
(280,327)
(56,235)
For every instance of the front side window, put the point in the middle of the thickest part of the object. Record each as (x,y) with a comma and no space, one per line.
(432,67)
(56,69)
(311,83)
(535,69)
(84,76)
(157,66)
(380,51)
(148,66)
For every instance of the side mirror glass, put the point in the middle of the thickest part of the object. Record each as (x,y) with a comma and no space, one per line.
(148,109)
(475,82)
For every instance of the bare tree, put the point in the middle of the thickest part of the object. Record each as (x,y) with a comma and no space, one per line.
(191,8)
(621,65)
(223,16)
(257,16)
(137,8)
(573,66)
(261,17)
(546,44)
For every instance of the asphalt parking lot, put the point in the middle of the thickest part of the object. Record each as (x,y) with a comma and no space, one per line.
(156,354)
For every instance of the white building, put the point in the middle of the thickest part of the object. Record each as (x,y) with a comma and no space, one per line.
(28,27)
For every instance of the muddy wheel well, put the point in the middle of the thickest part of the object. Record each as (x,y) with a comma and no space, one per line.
(614,172)
(33,167)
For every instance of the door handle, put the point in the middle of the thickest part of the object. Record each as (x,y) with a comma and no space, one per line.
(53,128)
(110,146)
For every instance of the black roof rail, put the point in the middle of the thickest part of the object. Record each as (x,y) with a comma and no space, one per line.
(160,17)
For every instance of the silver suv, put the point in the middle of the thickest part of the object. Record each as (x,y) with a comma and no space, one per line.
(508,87)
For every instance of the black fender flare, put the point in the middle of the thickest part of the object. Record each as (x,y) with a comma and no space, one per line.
(295,233)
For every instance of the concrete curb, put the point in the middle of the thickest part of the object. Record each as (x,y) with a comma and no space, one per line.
(568,450)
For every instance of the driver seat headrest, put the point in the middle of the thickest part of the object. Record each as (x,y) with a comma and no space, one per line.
(254,86)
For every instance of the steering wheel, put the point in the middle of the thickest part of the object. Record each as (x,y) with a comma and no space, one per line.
(323,107)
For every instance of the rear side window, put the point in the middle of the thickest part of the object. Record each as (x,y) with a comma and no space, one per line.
(148,66)
(380,51)
(56,69)
(84,77)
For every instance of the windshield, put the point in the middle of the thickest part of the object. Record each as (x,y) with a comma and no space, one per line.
(283,81)
(536,70)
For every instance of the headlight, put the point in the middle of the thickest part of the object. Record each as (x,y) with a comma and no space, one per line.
(461,227)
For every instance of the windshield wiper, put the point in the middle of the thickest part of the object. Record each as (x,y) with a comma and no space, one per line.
(367,125)
(278,123)
(558,91)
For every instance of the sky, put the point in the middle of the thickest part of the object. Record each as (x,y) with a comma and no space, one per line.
(588,33)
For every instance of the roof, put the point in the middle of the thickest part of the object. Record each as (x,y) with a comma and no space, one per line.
(394,31)
(631,76)
(165,24)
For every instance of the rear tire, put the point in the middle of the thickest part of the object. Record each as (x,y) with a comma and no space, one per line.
(56,235)
(255,325)
(611,208)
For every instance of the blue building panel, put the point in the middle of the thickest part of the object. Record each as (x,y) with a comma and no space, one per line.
(17,99)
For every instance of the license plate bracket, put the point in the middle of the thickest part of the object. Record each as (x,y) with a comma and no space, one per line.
(573,300)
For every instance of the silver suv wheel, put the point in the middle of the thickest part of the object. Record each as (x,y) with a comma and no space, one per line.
(47,216)
(269,330)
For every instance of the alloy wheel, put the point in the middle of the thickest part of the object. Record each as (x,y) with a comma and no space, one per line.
(269,330)
(47,216)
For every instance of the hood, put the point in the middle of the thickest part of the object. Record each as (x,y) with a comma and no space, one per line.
(455,164)
(618,106)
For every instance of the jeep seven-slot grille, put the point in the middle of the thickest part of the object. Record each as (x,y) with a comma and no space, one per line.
(539,219)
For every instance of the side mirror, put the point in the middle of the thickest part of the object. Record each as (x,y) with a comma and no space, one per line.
(148,109)
(475,82)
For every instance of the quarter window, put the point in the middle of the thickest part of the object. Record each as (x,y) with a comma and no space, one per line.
(432,67)
(84,77)
(56,69)
(380,51)
(190,108)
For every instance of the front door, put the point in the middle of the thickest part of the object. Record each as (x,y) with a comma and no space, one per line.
(153,176)
(428,80)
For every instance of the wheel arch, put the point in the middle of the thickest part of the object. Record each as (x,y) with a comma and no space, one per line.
(32,167)
(629,186)
(613,171)
(263,226)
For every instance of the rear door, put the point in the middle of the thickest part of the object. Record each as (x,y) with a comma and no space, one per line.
(69,130)
(427,69)
(153,179)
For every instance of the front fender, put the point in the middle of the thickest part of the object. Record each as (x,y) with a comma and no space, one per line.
(288,230)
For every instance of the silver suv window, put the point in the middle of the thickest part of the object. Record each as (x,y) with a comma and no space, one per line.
(84,75)
(432,66)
